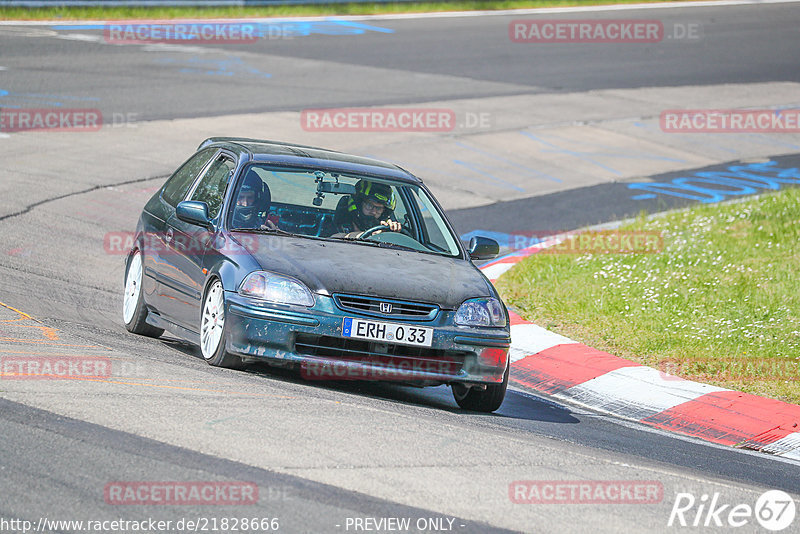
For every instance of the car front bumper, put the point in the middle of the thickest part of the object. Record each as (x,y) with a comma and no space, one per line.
(312,339)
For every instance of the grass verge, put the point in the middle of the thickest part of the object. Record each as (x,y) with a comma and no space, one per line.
(344,8)
(719,304)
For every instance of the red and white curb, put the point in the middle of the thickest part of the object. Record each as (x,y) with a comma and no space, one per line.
(562,368)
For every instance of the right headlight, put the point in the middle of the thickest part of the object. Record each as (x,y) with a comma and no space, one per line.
(484,311)
(276,288)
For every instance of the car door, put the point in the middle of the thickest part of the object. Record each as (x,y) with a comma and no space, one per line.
(158,256)
(188,244)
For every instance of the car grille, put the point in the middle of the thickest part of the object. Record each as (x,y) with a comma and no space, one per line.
(372,306)
(389,355)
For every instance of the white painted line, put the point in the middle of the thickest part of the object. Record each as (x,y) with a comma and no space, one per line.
(3,68)
(529,339)
(794,455)
(450,14)
(493,272)
(637,392)
(786,447)
(79,37)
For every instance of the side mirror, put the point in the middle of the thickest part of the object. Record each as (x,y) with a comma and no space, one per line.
(483,248)
(193,212)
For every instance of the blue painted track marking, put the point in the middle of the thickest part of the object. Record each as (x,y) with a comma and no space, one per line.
(38,99)
(580,155)
(511,241)
(286,27)
(486,172)
(508,161)
(714,186)
(640,155)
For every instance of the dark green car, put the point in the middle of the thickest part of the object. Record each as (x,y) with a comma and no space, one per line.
(341,266)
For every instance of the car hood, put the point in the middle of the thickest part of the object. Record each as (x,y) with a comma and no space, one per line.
(341,267)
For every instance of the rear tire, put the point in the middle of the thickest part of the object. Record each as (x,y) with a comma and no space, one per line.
(213,330)
(476,400)
(134,310)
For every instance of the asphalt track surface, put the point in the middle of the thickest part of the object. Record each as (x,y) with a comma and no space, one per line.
(742,44)
(321,453)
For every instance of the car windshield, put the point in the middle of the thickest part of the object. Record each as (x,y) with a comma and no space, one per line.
(321,204)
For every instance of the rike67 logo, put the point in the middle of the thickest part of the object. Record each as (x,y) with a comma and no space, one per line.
(774,510)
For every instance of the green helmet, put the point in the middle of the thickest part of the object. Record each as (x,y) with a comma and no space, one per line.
(381,193)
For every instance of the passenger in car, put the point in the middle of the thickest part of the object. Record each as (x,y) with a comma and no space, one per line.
(372,205)
(253,204)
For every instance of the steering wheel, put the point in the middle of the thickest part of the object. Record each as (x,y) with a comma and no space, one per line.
(374,230)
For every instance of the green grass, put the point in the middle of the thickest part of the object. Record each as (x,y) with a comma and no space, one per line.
(365,8)
(720,304)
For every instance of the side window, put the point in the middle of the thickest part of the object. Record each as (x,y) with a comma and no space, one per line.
(401,211)
(434,228)
(211,188)
(180,182)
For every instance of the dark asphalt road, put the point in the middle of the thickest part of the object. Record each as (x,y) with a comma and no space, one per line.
(423,60)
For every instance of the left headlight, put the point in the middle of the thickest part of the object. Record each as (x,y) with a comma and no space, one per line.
(276,288)
(486,311)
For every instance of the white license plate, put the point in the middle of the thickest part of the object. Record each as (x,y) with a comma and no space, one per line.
(387,332)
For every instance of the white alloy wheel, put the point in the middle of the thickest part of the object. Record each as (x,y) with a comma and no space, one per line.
(213,321)
(133,288)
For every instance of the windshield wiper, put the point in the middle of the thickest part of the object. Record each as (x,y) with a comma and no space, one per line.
(266,231)
(383,244)
(357,240)
(380,244)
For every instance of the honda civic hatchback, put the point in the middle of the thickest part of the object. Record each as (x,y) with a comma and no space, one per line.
(342,267)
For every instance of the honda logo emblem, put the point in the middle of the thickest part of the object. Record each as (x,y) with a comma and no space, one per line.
(386,307)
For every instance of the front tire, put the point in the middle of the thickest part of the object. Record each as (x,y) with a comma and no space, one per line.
(134,310)
(213,332)
(485,401)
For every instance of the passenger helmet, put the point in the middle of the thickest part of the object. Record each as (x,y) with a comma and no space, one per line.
(247,216)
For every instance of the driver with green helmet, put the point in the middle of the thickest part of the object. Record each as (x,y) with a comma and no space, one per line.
(372,205)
